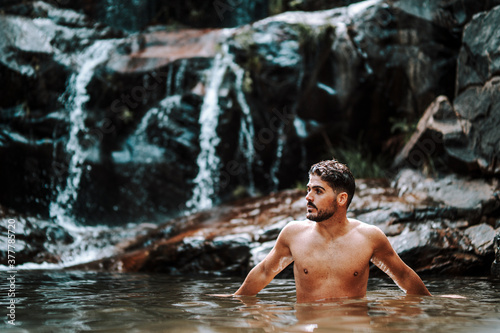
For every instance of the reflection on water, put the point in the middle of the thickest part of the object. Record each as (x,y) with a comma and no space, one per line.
(57,301)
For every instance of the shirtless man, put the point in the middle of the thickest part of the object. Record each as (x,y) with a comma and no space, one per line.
(331,253)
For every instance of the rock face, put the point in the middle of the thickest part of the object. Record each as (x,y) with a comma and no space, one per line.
(37,58)
(434,228)
(495,266)
(218,241)
(135,16)
(462,135)
(437,132)
(102,125)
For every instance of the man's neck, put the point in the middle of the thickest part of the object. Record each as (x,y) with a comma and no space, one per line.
(335,226)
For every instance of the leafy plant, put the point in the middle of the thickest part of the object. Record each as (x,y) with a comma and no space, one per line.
(405,126)
(360,159)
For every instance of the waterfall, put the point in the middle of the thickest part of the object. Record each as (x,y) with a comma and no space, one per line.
(139,145)
(301,131)
(89,243)
(179,77)
(208,161)
(129,15)
(247,131)
(170,78)
(61,208)
(275,167)
(240,12)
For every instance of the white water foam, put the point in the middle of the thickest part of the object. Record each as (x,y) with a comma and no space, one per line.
(275,167)
(60,209)
(89,242)
(247,131)
(140,147)
(208,161)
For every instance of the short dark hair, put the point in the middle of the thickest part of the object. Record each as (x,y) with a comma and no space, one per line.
(337,175)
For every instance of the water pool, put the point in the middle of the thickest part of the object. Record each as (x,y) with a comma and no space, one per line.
(74,301)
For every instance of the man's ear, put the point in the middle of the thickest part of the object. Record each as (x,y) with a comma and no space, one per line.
(342,198)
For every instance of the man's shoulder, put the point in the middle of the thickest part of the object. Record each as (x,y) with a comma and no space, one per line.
(292,230)
(297,226)
(368,230)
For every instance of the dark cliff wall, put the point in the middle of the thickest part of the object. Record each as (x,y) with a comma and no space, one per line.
(108,124)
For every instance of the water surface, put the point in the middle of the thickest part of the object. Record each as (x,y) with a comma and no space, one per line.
(74,301)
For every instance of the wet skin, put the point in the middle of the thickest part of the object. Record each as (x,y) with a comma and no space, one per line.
(331,253)
(329,268)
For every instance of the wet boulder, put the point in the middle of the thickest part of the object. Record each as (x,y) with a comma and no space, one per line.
(495,266)
(356,63)
(309,5)
(436,249)
(436,225)
(27,64)
(433,229)
(452,15)
(481,238)
(38,55)
(414,197)
(147,171)
(478,96)
(477,101)
(438,131)
(193,255)
(461,136)
(220,241)
(478,108)
(135,16)
(35,240)
(440,248)
(477,60)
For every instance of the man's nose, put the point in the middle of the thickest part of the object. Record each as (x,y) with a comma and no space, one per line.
(309,197)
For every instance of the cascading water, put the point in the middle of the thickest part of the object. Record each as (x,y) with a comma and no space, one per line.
(179,76)
(208,162)
(141,148)
(129,15)
(247,132)
(89,243)
(61,208)
(240,12)
(282,139)
(92,243)
(279,153)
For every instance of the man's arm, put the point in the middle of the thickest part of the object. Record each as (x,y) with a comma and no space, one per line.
(260,276)
(385,258)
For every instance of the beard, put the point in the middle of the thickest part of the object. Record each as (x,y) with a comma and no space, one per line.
(322,214)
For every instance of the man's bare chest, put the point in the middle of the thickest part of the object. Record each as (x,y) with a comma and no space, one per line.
(336,258)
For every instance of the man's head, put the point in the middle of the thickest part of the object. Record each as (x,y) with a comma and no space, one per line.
(337,175)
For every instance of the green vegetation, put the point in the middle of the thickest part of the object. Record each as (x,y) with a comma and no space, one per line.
(276,7)
(310,37)
(360,159)
(240,192)
(247,85)
(403,125)
(245,39)
(300,185)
